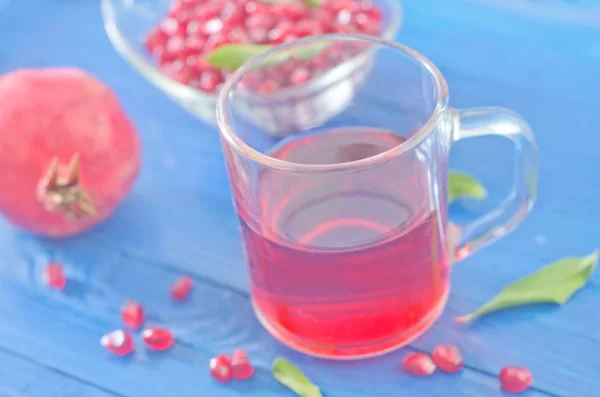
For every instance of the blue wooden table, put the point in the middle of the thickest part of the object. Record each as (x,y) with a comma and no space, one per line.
(539,57)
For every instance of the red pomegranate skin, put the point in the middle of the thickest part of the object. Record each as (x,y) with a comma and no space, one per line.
(60,113)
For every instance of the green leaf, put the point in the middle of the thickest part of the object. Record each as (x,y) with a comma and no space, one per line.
(555,283)
(309,51)
(232,56)
(462,185)
(289,375)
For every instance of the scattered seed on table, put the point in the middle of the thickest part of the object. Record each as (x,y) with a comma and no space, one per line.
(418,364)
(118,342)
(158,338)
(181,288)
(241,368)
(54,276)
(220,368)
(132,314)
(447,358)
(515,379)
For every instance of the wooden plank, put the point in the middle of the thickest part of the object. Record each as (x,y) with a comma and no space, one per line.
(501,339)
(179,219)
(62,331)
(20,377)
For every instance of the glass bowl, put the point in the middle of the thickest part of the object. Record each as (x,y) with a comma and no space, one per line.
(127,22)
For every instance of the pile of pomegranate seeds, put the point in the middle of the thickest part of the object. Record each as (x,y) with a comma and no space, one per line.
(515,379)
(193,29)
(54,276)
(223,369)
(132,314)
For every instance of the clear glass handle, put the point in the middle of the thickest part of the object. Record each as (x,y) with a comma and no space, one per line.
(496,223)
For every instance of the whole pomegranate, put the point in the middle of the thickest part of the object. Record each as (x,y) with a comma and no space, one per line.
(68,152)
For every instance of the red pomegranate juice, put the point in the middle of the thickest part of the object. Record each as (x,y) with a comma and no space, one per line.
(346,264)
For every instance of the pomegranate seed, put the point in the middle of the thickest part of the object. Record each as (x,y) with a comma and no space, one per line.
(171,68)
(447,358)
(293,11)
(340,5)
(184,18)
(184,74)
(290,37)
(366,24)
(372,10)
(231,14)
(289,66)
(299,76)
(261,20)
(209,80)
(165,63)
(325,19)
(194,45)
(240,365)
(132,314)
(515,379)
(54,276)
(118,342)
(176,47)
(225,74)
(207,12)
(320,62)
(179,6)
(344,17)
(213,26)
(268,87)
(335,54)
(195,28)
(181,288)
(345,28)
(250,81)
(171,27)
(158,338)
(308,27)
(156,38)
(214,42)
(198,63)
(277,34)
(220,368)
(255,7)
(418,364)
(272,72)
(237,35)
(258,36)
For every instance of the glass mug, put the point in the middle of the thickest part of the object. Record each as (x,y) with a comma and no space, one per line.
(340,184)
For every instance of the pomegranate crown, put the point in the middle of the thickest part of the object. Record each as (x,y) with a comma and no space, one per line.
(64,195)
